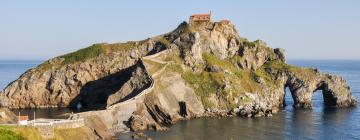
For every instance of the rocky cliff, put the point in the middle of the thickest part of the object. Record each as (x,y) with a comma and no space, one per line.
(199,69)
(7,117)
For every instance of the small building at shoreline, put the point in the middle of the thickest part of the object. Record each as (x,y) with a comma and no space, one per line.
(23,120)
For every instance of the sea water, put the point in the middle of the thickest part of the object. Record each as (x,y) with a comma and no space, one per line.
(290,123)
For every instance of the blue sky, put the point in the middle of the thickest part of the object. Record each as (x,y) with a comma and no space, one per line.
(307,29)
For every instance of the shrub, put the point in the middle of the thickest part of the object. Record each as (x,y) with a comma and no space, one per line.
(83,54)
(212,60)
(6,134)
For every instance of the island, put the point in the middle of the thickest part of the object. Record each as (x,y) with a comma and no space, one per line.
(203,68)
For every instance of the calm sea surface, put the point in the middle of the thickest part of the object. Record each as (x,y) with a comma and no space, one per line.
(318,123)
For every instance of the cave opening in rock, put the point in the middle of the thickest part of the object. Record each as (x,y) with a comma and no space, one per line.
(326,98)
(317,99)
(288,98)
(299,97)
(182,111)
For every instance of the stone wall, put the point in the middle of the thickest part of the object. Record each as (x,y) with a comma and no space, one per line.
(58,123)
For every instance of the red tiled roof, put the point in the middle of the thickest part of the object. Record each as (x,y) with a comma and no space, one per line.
(195,15)
(23,118)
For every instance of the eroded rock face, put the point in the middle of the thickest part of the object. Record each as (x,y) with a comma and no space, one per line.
(131,88)
(222,41)
(55,86)
(175,102)
(7,117)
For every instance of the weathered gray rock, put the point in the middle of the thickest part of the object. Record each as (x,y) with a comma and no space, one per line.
(64,86)
(334,89)
(131,88)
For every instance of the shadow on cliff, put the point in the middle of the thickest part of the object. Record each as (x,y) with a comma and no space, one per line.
(94,94)
(159,46)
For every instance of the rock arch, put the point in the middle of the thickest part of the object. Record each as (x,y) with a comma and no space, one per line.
(336,93)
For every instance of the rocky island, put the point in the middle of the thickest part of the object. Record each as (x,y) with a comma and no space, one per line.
(200,69)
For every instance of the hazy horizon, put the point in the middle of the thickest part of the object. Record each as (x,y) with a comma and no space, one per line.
(307,30)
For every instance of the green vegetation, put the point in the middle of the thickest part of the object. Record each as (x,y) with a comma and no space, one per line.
(302,73)
(72,133)
(6,134)
(248,43)
(152,66)
(236,59)
(94,51)
(45,66)
(83,54)
(208,83)
(277,65)
(164,41)
(241,81)
(268,78)
(206,102)
(211,60)
(175,58)
(88,53)
(31,133)
(205,84)
(247,81)
(175,68)
(186,28)
(258,47)
(19,133)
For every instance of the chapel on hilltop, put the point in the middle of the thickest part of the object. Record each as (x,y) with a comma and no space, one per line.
(200,18)
(196,18)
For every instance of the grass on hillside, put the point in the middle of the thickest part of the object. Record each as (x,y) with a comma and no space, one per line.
(6,134)
(208,83)
(83,54)
(152,66)
(88,53)
(204,83)
(164,41)
(94,51)
(31,133)
(302,73)
(241,81)
(19,133)
(71,133)
(212,60)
